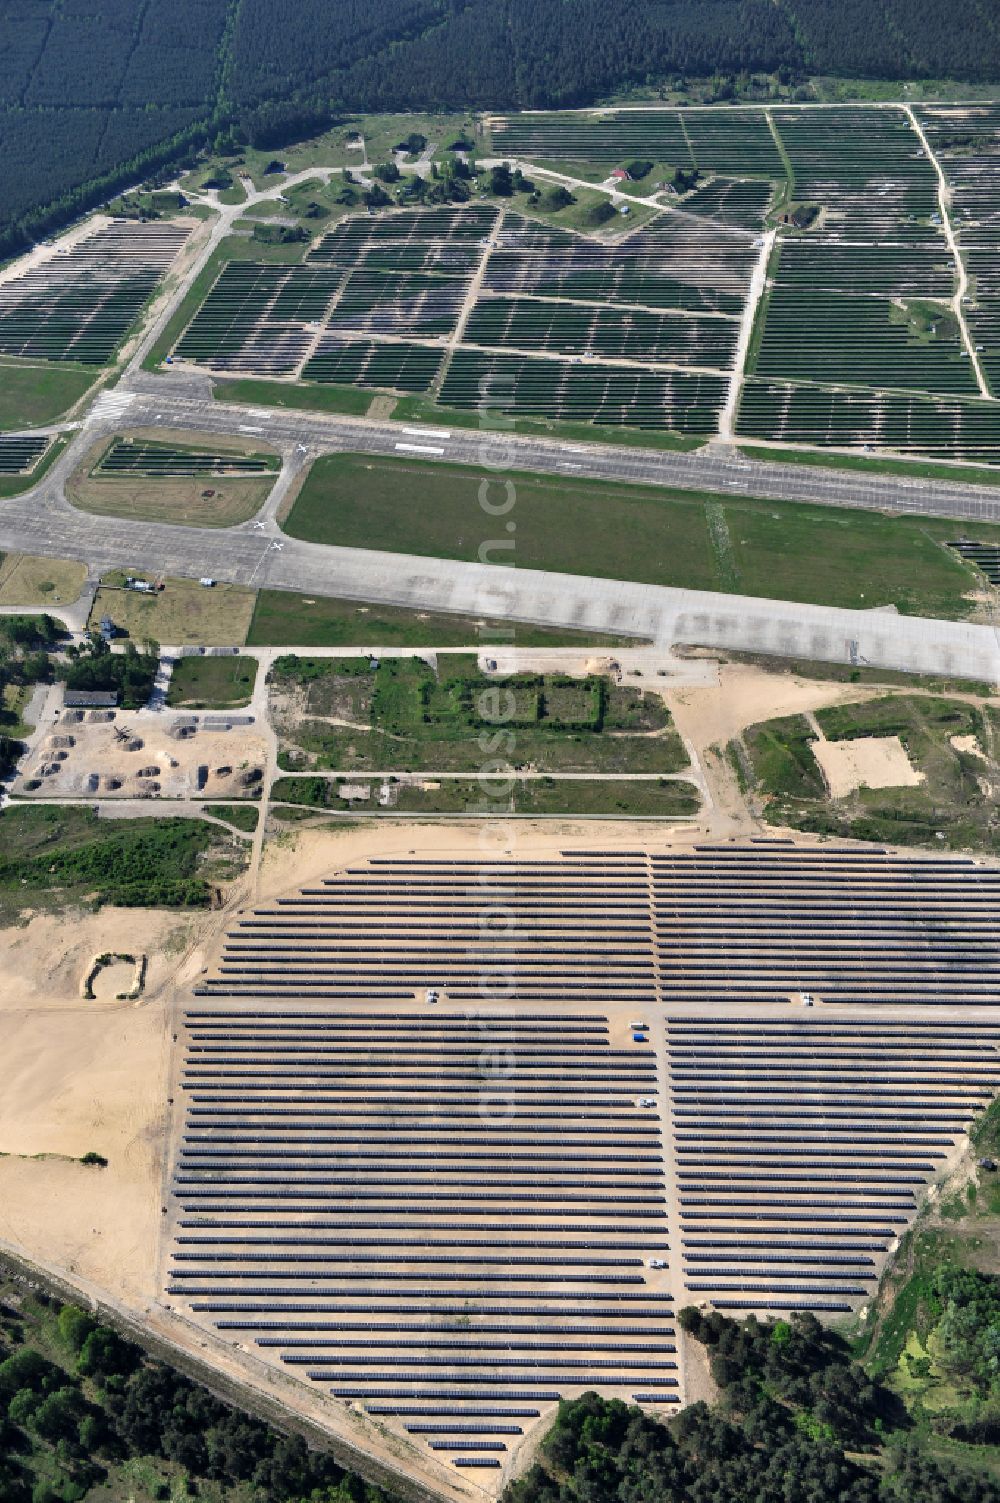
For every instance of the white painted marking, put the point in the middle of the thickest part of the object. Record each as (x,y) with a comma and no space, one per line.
(418,449)
(428,432)
(574,448)
(245,428)
(565,464)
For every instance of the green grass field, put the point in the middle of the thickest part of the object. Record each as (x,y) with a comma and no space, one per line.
(241,816)
(651,798)
(354,400)
(778,550)
(210,683)
(282,619)
(34,395)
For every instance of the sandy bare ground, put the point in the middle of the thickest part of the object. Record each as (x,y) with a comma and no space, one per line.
(709,716)
(80,759)
(46,959)
(87,1081)
(295,856)
(968,744)
(82,1076)
(869,762)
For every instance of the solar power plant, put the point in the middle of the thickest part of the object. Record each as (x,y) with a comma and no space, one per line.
(446,1218)
(866,166)
(611,332)
(731,925)
(885,420)
(735,141)
(846,925)
(623,396)
(676,262)
(360,362)
(846,314)
(986,556)
(399,302)
(382,303)
(579,930)
(856,342)
(80,303)
(802,1148)
(18,456)
(160,461)
(455,1136)
(260,318)
(445,240)
(966,141)
(406,273)
(982,259)
(739,204)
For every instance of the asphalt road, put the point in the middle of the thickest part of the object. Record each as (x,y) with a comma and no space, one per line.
(42,522)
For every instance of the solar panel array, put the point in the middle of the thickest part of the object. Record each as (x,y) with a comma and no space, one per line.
(571,927)
(436,1216)
(130,457)
(381,302)
(910,423)
(727,924)
(847,924)
(802,1148)
(425,1166)
(79,303)
(18,456)
(728,141)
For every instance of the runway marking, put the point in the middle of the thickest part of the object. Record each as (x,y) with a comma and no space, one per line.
(419,449)
(428,432)
(245,428)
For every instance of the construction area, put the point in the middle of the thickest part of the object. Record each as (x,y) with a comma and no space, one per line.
(138,754)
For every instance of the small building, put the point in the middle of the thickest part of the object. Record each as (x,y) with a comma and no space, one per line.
(620,175)
(108,629)
(90,699)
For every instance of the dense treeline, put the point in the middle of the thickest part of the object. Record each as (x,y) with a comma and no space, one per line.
(25,644)
(107,89)
(130,673)
(797,1422)
(76,1400)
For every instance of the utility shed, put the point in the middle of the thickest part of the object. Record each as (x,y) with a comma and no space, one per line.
(90,699)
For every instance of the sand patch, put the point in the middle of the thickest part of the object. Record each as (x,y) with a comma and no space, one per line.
(87,1080)
(46,958)
(113,981)
(968,744)
(869,762)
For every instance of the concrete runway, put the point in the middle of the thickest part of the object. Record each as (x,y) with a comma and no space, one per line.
(41,521)
(183,401)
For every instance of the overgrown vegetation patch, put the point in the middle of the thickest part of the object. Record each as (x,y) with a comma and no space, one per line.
(67,855)
(952,745)
(398,714)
